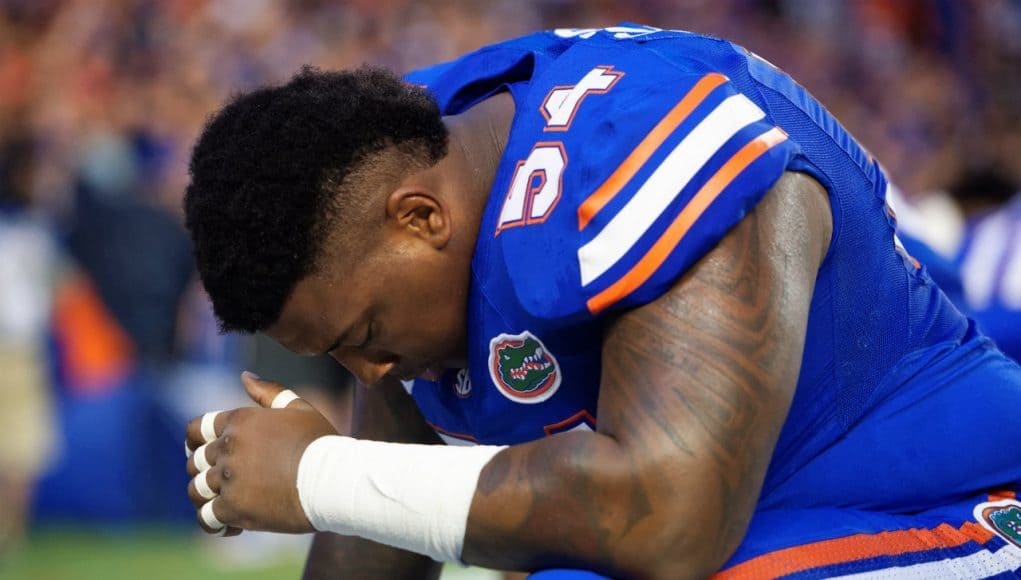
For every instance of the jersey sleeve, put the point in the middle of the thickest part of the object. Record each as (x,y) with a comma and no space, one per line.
(658,172)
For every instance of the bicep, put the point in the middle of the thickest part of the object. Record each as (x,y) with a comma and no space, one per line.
(697,383)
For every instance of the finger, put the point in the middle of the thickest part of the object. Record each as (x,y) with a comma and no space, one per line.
(283,399)
(205,486)
(231,531)
(200,490)
(271,395)
(207,426)
(209,520)
(200,460)
(208,454)
(198,428)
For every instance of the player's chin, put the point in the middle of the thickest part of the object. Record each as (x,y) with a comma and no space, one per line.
(432,373)
(426,371)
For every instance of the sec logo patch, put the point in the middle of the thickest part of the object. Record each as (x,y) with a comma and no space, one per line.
(522,368)
(463,384)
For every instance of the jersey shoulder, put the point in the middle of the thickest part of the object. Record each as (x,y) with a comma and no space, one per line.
(627,162)
(459,84)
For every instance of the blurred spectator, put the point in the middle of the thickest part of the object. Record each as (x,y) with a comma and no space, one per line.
(139,259)
(28,272)
(969,239)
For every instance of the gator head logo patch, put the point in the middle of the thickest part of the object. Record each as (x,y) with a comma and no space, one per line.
(522,368)
(1002,517)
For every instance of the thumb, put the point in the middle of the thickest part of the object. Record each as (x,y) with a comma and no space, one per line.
(265,392)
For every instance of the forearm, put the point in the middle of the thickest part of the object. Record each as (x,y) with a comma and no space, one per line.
(578,500)
(542,504)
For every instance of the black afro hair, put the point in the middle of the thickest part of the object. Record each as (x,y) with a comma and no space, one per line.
(263,189)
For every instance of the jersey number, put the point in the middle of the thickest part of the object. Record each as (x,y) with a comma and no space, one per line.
(562,103)
(535,188)
(537,182)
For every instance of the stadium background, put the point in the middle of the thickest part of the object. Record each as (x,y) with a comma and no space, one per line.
(106,341)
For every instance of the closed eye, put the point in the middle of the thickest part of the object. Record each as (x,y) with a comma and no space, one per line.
(340,340)
(368,337)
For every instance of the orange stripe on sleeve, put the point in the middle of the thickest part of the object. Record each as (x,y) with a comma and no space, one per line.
(463,436)
(659,252)
(602,196)
(855,548)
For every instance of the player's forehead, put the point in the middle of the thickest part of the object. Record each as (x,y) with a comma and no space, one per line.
(309,318)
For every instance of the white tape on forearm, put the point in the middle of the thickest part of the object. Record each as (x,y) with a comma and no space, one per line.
(202,486)
(414,497)
(208,517)
(201,461)
(208,426)
(283,399)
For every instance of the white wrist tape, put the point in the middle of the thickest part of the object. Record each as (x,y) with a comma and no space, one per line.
(414,497)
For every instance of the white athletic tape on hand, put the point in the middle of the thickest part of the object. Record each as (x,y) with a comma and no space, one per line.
(208,426)
(187,450)
(392,493)
(209,518)
(201,461)
(202,486)
(283,399)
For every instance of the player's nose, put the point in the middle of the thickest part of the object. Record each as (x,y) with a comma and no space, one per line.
(367,368)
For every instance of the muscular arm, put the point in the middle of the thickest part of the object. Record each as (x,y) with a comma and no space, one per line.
(384,412)
(695,388)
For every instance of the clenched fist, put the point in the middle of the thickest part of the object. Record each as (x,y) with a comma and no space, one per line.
(250,469)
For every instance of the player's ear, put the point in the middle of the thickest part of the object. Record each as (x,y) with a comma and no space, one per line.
(418,212)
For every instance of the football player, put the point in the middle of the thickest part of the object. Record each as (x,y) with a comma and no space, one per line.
(642,285)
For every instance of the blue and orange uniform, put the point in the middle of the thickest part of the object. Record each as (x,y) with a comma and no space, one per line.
(633,151)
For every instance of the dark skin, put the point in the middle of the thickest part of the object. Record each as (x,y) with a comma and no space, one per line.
(695,386)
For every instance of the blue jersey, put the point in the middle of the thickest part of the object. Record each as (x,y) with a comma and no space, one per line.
(633,151)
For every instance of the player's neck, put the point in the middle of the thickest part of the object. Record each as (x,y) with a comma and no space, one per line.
(478,138)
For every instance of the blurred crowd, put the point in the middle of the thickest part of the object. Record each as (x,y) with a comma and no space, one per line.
(100,101)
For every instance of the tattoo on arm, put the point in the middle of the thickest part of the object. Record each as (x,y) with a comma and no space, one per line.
(695,388)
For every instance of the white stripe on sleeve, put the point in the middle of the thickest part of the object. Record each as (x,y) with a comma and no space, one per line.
(665,184)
